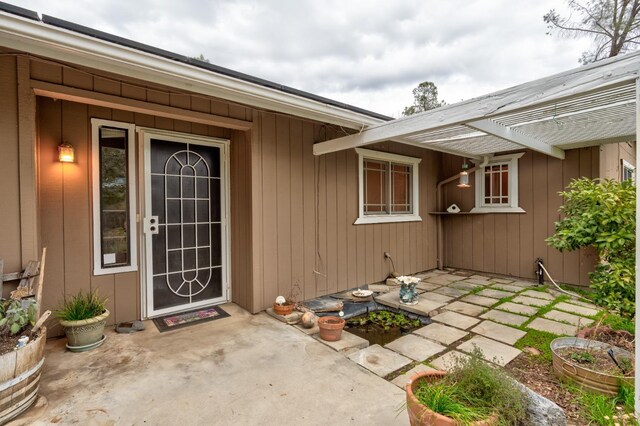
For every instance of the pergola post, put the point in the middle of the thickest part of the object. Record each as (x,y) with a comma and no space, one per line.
(637,317)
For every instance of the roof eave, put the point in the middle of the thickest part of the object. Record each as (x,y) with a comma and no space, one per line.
(40,39)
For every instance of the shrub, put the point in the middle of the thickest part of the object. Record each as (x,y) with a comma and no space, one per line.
(82,306)
(16,315)
(602,215)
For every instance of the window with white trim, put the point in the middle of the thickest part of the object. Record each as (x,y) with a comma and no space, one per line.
(388,187)
(113,185)
(628,171)
(497,185)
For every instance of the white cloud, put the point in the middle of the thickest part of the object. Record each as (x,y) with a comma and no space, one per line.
(366,53)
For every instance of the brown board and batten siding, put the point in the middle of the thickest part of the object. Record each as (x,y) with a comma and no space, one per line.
(65,189)
(509,243)
(611,156)
(305,207)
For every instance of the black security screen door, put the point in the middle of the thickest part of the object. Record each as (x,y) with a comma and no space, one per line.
(185,225)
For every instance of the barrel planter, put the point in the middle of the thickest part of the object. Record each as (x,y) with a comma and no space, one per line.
(87,334)
(420,415)
(20,377)
(591,380)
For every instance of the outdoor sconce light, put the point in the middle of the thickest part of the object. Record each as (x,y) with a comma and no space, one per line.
(464,176)
(66,153)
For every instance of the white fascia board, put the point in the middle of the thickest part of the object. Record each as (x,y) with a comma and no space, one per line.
(601,75)
(60,44)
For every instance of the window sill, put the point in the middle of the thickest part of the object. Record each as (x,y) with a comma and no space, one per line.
(114,270)
(497,210)
(387,219)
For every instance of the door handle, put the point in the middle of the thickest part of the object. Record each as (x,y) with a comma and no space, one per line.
(151,225)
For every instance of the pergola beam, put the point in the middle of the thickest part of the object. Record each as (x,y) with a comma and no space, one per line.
(513,135)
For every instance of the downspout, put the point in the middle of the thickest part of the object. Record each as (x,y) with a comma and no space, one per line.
(637,283)
(440,207)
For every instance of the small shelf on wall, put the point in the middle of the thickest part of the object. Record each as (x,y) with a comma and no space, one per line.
(481,212)
(453,214)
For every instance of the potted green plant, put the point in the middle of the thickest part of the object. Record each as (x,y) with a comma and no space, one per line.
(472,393)
(83,317)
(21,356)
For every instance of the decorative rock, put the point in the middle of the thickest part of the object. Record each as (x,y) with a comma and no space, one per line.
(531,351)
(309,320)
(542,411)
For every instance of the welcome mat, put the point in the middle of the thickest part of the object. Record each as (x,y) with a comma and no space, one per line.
(185,319)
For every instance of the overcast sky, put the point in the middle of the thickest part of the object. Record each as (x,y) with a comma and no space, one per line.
(367,53)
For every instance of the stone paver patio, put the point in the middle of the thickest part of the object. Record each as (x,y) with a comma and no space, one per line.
(468,312)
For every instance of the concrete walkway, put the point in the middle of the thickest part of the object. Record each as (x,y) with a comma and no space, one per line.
(241,370)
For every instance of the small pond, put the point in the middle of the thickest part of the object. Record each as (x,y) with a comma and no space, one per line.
(382,326)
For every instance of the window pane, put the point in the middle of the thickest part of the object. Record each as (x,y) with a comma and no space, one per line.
(375,187)
(114,198)
(401,187)
(496,184)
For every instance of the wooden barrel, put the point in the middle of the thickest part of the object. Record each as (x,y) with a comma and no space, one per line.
(20,377)
(590,380)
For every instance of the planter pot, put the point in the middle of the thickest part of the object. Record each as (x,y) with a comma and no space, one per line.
(594,381)
(330,328)
(84,335)
(419,414)
(20,377)
(408,294)
(283,309)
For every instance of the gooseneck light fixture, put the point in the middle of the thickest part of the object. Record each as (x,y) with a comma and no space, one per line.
(464,176)
(66,153)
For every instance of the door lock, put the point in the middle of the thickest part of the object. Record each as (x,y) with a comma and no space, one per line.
(151,225)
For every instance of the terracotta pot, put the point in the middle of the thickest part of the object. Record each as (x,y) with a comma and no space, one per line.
(283,309)
(330,328)
(419,414)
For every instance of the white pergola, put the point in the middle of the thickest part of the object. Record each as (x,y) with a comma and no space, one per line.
(587,106)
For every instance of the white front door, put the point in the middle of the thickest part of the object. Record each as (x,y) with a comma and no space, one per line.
(185,221)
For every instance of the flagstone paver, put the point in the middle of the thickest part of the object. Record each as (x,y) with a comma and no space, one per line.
(424,275)
(379,288)
(581,310)
(568,318)
(517,308)
(436,297)
(379,360)
(492,351)
(498,294)
(453,292)
(424,285)
(477,281)
(532,301)
(501,281)
(401,380)
(480,277)
(448,360)
(455,319)
(348,342)
(538,294)
(504,317)
(465,308)
(424,307)
(313,330)
(581,303)
(461,285)
(441,333)
(524,284)
(507,287)
(543,324)
(479,300)
(444,279)
(499,332)
(392,298)
(415,347)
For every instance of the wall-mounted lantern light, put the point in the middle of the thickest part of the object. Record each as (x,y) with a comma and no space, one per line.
(66,153)
(464,176)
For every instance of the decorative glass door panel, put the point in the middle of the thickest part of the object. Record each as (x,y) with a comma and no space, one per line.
(184,224)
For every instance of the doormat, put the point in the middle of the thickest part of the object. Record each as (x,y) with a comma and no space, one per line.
(185,319)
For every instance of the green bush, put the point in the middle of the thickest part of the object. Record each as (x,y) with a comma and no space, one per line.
(16,315)
(602,215)
(82,306)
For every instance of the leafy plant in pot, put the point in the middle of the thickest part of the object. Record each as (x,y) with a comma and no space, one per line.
(22,342)
(471,393)
(83,317)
